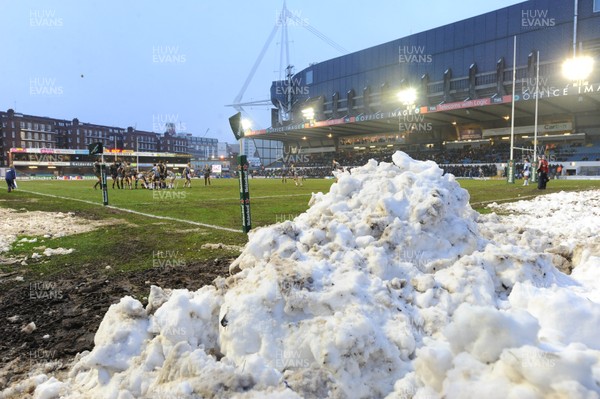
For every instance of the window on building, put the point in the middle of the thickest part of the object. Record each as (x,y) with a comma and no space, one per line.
(596,5)
(309,77)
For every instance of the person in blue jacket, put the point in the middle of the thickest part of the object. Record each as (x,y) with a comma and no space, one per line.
(11,176)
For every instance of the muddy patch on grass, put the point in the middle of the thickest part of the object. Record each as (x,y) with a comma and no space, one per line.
(66,310)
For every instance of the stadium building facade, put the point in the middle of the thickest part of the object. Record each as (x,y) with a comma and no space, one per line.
(461,76)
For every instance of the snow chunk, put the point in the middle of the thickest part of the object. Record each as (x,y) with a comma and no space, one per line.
(485,332)
(49,389)
(120,336)
(29,328)
(57,251)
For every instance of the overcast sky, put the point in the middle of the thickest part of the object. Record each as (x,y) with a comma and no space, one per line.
(142,63)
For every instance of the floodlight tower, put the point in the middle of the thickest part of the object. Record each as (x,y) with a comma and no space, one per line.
(284,19)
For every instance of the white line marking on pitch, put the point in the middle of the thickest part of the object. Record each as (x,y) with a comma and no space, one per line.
(504,199)
(258,197)
(237,199)
(211,226)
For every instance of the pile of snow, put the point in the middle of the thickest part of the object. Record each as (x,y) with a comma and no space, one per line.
(390,285)
(563,224)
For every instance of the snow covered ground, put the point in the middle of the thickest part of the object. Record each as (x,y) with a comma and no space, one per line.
(390,285)
(48,224)
(44,225)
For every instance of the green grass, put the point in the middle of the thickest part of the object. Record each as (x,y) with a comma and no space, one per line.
(217,204)
(133,243)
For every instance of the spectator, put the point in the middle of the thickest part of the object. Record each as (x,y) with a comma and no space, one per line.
(11,177)
(543,173)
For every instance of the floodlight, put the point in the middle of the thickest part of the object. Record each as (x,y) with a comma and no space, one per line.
(408,96)
(578,68)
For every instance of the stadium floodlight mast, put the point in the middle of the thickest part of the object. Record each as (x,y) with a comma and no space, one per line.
(284,18)
(579,67)
(510,175)
(535,125)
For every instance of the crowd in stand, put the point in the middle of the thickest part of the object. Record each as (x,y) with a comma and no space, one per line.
(493,154)
(485,170)
(316,172)
(576,152)
(464,162)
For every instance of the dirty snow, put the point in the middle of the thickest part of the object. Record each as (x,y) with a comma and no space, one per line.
(57,251)
(227,247)
(41,224)
(390,285)
(37,223)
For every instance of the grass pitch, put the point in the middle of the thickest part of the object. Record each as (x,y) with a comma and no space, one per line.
(217,204)
(134,243)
